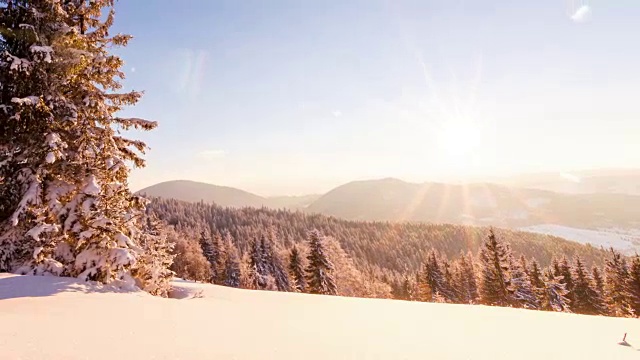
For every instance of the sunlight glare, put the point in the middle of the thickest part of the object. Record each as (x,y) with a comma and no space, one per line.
(458,140)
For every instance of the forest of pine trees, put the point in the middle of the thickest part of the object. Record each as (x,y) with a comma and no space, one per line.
(265,254)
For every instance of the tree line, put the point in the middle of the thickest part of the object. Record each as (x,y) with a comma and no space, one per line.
(494,275)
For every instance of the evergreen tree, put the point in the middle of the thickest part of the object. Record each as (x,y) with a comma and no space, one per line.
(232,275)
(465,279)
(409,289)
(494,271)
(564,269)
(450,290)
(537,281)
(555,293)
(633,284)
(434,278)
(258,268)
(296,269)
(273,262)
(211,251)
(616,285)
(65,205)
(319,268)
(585,298)
(221,257)
(598,282)
(520,288)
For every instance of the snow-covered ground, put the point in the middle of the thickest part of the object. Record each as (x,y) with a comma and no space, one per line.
(56,318)
(626,241)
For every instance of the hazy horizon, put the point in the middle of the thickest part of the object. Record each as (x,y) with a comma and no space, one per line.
(291,98)
(573,176)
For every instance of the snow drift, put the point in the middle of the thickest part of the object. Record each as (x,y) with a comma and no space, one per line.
(62,318)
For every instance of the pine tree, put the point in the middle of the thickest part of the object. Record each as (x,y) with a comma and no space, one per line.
(232,275)
(598,286)
(585,298)
(633,284)
(616,285)
(494,271)
(319,268)
(555,293)
(219,265)
(465,279)
(258,267)
(537,281)
(434,278)
(65,206)
(296,270)
(564,269)
(211,251)
(598,281)
(409,289)
(273,262)
(520,288)
(449,291)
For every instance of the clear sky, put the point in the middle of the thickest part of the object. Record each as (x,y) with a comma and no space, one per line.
(291,97)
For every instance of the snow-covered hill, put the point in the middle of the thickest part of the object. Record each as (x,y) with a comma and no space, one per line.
(57,318)
(624,240)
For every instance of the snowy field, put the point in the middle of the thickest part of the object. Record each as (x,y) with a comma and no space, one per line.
(55,318)
(626,241)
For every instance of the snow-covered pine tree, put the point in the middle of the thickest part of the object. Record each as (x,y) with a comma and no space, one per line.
(257,266)
(409,288)
(434,278)
(465,279)
(598,281)
(616,285)
(274,264)
(65,206)
(494,271)
(296,270)
(537,281)
(450,291)
(152,267)
(520,288)
(567,279)
(211,251)
(220,264)
(319,268)
(633,284)
(232,275)
(555,293)
(586,299)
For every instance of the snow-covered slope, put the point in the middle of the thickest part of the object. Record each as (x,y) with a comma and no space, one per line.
(626,241)
(56,318)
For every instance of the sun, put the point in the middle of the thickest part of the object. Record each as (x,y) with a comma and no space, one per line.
(459,141)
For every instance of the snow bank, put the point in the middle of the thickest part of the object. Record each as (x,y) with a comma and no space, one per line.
(54,318)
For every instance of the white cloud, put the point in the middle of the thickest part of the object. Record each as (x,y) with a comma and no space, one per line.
(337,113)
(211,154)
(581,15)
(133,69)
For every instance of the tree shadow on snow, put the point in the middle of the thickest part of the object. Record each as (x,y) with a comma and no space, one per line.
(25,286)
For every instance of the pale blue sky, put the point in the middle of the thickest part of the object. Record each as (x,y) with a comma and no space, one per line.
(290,97)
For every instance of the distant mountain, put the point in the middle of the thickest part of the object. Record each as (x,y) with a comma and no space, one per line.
(476,204)
(603,181)
(193,191)
(601,219)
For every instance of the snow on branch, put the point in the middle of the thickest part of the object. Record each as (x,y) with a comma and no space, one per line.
(44,51)
(29,100)
(16,63)
(137,123)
